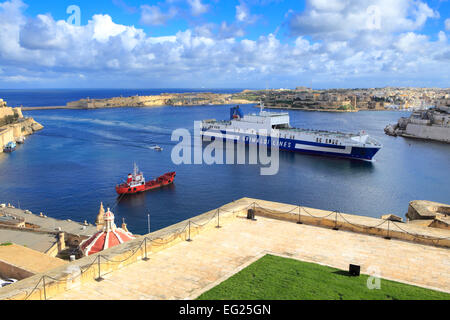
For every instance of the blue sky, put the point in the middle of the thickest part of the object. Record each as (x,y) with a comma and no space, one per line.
(225,43)
(128,12)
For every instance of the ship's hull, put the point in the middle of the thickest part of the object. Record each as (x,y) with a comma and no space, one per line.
(301,146)
(161,182)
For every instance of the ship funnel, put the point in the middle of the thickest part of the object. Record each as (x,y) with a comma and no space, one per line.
(236,113)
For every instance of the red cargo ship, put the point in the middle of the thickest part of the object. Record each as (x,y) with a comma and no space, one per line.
(136,182)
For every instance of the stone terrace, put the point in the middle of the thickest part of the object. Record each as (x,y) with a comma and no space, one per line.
(187,269)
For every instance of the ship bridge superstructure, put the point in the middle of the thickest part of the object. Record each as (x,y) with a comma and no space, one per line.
(262,121)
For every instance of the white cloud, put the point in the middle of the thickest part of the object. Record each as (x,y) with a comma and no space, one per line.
(154,40)
(230,31)
(411,42)
(19,79)
(205,30)
(197,7)
(105,28)
(447,24)
(152,15)
(347,19)
(11,21)
(109,54)
(243,14)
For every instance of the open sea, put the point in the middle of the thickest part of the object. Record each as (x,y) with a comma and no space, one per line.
(67,169)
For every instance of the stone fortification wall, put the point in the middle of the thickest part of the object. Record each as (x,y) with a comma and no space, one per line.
(6,111)
(19,262)
(9,115)
(165,99)
(430,125)
(441,119)
(428,132)
(135,101)
(435,214)
(6,136)
(8,270)
(12,132)
(422,122)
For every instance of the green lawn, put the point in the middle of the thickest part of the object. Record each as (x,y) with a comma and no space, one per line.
(275,278)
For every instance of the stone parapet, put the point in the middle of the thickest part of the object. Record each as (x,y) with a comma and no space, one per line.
(436,215)
(19,262)
(359,224)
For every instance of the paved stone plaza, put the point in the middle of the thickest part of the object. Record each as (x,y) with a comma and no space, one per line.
(187,269)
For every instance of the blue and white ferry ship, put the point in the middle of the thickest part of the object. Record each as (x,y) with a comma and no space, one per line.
(272,129)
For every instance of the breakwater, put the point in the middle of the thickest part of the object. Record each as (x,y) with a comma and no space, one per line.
(165,99)
(45,108)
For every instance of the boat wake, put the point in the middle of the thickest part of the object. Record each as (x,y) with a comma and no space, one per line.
(112,123)
(108,138)
(156,148)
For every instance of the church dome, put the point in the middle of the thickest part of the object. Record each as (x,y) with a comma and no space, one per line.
(109,237)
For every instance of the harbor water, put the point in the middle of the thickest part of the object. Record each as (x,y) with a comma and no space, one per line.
(67,169)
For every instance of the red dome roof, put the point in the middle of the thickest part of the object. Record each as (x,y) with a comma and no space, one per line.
(111,236)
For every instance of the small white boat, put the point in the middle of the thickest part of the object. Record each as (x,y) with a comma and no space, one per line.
(157,148)
(20,140)
(10,147)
